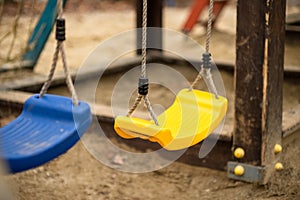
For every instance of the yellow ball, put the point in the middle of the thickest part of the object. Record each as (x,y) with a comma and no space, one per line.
(239,170)
(278,166)
(239,153)
(277,148)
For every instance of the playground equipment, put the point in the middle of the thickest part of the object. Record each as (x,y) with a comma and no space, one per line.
(258,95)
(40,34)
(196,10)
(191,118)
(193,115)
(49,124)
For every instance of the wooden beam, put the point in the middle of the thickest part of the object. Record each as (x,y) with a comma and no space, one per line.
(259,81)
(273,76)
(154,19)
(33,82)
(16,99)
(250,49)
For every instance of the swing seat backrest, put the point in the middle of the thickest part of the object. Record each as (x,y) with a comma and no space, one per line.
(46,128)
(190,119)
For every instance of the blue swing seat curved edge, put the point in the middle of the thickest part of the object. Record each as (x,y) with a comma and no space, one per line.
(46,128)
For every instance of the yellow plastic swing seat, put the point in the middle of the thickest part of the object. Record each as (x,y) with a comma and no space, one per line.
(190,119)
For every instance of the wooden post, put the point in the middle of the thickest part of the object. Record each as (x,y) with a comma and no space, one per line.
(154,19)
(275,35)
(259,79)
(250,49)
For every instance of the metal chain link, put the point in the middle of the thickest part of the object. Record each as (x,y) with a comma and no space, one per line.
(60,48)
(144,67)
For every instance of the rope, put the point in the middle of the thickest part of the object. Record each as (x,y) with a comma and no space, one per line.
(59,9)
(205,70)
(149,107)
(144,39)
(68,77)
(60,49)
(197,80)
(143,68)
(211,85)
(209,24)
(50,75)
(135,105)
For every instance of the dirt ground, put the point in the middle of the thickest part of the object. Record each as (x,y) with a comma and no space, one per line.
(78,175)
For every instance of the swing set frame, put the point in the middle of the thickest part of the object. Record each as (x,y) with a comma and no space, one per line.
(259,122)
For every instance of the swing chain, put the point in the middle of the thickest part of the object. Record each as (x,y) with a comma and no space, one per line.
(143,84)
(205,71)
(60,38)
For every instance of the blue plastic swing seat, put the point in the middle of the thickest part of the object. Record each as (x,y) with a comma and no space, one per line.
(46,128)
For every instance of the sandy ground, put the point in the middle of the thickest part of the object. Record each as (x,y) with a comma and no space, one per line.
(78,175)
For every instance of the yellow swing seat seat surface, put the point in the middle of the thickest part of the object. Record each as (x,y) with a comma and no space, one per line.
(190,119)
